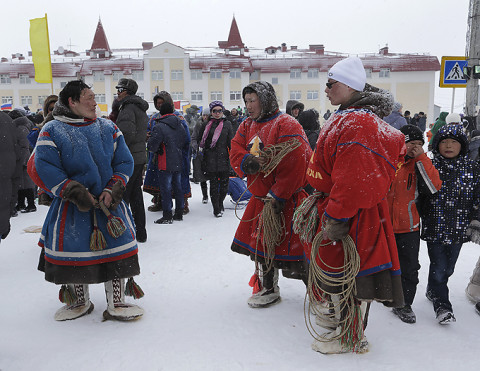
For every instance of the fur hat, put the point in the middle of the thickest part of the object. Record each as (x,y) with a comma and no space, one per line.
(216,103)
(349,71)
(194,107)
(453,118)
(130,85)
(412,132)
(309,119)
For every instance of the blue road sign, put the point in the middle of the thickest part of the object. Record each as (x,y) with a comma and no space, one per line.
(451,72)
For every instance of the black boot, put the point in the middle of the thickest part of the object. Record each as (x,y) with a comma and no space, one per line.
(204,192)
(178,216)
(30,194)
(166,219)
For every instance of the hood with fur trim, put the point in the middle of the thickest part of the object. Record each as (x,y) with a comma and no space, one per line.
(165,95)
(377,100)
(266,94)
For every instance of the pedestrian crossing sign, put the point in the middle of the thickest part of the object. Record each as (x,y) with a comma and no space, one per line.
(451,72)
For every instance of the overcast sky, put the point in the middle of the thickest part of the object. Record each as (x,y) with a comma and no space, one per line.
(437,27)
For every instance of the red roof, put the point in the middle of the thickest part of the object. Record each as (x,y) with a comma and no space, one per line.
(58,69)
(234,39)
(396,63)
(222,61)
(100,41)
(126,65)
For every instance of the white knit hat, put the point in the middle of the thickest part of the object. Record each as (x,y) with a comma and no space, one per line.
(349,71)
(453,118)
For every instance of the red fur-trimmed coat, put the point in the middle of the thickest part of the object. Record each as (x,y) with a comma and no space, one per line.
(285,183)
(355,161)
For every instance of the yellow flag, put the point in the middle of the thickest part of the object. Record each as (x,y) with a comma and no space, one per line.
(41,50)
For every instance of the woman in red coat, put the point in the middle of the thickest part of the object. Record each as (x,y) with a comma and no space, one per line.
(354,163)
(265,126)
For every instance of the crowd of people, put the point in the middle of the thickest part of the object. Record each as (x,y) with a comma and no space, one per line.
(351,198)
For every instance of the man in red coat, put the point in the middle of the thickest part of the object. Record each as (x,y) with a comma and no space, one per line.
(354,163)
(265,126)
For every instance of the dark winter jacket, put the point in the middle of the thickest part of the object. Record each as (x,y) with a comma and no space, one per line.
(23,126)
(309,121)
(473,148)
(132,120)
(291,104)
(422,122)
(8,159)
(395,119)
(216,159)
(447,213)
(169,140)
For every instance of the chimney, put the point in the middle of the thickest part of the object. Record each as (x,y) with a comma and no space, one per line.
(4,59)
(293,47)
(284,47)
(147,45)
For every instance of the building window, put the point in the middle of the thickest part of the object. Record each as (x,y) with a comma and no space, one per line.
(295,94)
(215,74)
(312,94)
(313,73)
(177,75)
(216,95)
(197,95)
(26,99)
(41,99)
(295,73)
(5,79)
(7,99)
(137,75)
(235,95)
(235,73)
(274,80)
(24,79)
(368,72)
(98,76)
(100,98)
(384,72)
(177,95)
(117,75)
(157,75)
(196,74)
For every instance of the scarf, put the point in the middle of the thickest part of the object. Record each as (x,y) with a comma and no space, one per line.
(216,134)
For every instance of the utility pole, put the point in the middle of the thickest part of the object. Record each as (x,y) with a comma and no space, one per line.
(473,55)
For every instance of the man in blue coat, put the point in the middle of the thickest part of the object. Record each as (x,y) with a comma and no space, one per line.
(83,162)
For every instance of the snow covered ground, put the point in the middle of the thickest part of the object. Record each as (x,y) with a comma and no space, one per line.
(196,315)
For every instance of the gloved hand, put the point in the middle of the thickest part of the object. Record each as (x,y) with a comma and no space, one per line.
(251,165)
(473,231)
(335,230)
(79,195)
(118,190)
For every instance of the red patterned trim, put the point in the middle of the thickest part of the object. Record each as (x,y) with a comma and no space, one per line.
(92,262)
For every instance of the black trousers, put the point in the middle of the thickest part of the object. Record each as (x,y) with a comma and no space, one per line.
(133,197)
(408,245)
(218,189)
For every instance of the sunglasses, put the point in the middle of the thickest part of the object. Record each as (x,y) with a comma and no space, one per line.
(217,111)
(121,90)
(330,84)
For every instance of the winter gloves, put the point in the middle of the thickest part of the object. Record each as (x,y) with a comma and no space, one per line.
(335,229)
(251,165)
(118,190)
(79,195)
(473,231)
